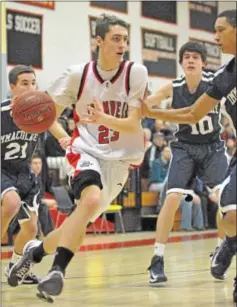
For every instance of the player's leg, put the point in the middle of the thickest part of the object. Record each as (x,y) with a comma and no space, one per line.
(93,202)
(213,172)
(87,187)
(10,201)
(28,231)
(222,257)
(180,175)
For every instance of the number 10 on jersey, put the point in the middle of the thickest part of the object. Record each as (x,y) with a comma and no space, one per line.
(204,126)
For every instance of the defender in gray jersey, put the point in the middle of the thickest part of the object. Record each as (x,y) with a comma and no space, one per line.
(197,150)
(19,188)
(222,86)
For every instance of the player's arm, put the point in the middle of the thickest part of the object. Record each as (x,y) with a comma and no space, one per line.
(56,129)
(189,115)
(131,124)
(163,93)
(64,93)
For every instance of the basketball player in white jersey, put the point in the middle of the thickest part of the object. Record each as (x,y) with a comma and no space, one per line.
(101,151)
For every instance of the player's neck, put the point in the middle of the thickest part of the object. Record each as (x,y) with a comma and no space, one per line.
(193,82)
(106,64)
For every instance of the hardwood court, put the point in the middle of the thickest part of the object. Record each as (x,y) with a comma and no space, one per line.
(118,277)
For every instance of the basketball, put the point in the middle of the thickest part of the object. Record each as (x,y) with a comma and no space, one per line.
(34,111)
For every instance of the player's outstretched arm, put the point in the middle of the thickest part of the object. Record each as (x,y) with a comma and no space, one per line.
(163,93)
(190,115)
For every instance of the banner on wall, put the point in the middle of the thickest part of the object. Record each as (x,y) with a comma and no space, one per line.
(46,4)
(160,10)
(93,44)
(118,6)
(203,14)
(24,38)
(213,54)
(159,53)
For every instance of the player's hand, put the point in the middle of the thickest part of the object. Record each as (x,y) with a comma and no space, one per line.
(95,113)
(145,109)
(65,142)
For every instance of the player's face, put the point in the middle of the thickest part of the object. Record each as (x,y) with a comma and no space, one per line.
(225,35)
(115,43)
(192,63)
(25,82)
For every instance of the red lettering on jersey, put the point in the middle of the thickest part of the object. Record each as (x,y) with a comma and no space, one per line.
(106,106)
(118,110)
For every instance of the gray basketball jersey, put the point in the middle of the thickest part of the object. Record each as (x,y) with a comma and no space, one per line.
(17,146)
(208,128)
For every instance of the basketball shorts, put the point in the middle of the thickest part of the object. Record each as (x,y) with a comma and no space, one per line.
(207,161)
(25,184)
(228,201)
(113,174)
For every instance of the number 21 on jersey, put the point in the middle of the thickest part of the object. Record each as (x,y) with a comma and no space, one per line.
(204,126)
(16,151)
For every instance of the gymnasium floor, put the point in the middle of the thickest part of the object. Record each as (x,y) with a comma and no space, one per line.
(117,277)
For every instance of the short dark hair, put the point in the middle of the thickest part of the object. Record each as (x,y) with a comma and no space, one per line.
(104,22)
(230,16)
(193,47)
(18,70)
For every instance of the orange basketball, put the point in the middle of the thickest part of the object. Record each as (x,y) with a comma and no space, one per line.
(34,111)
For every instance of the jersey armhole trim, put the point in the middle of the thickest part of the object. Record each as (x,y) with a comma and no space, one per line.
(127,77)
(83,80)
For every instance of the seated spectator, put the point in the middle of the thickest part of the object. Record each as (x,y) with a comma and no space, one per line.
(55,156)
(151,154)
(71,125)
(231,147)
(159,170)
(147,137)
(45,220)
(191,214)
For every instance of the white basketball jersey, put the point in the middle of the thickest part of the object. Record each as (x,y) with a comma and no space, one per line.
(115,95)
(99,140)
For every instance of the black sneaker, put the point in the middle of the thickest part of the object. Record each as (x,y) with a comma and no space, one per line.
(224,276)
(52,283)
(156,270)
(221,259)
(21,268)
(29,279)
(235,290)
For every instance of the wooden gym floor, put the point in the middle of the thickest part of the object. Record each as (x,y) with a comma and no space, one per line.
(117,277)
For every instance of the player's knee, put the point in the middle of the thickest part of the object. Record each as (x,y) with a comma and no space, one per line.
(11,204)
(230,217)
(91,201)
(173,200)
(83,181)
(30,228)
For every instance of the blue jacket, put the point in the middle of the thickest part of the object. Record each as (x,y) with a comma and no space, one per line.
(158,171)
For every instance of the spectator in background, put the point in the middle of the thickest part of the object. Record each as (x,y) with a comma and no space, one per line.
(147,137)
(55,156)
(152,153)
(191,209)
(231,147)
(44,218)
(159,170)
(158,127)
(71,125)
